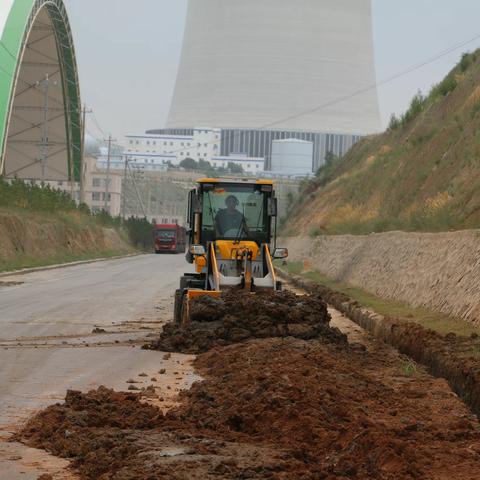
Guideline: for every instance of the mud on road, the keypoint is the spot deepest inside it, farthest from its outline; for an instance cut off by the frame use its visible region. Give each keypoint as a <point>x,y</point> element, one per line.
<point>274,407</point>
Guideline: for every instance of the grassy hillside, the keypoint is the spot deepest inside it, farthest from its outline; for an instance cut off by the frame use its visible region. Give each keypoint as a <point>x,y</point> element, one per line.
<point>422,174</point>
<point>40,226</point>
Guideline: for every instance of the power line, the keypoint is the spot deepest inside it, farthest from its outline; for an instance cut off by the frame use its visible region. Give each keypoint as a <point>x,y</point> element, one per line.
<point>353,94</point>
<point>98,125</point>
<point>379,84</point>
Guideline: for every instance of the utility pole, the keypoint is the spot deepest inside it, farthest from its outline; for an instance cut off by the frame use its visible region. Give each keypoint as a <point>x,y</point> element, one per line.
<point>82,155</point>
<point>124,189</point>
<point>107,179</point>
<point>139,198</point>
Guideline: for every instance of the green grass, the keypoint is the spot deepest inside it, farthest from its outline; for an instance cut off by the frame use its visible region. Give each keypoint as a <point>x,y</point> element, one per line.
<point>30,262</point>
<point>409,367</point>
<point>439,322</point>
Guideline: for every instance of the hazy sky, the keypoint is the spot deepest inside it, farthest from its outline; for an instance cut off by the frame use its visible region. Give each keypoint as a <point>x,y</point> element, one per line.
<point>128,54</point>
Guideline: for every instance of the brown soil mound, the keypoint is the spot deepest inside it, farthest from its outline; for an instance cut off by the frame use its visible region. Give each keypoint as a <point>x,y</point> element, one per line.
<point>274,408</point>
<point>88,429</point>
<point>236,317</point>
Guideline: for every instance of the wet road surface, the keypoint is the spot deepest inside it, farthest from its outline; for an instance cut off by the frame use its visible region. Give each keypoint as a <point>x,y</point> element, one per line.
<point>47,344</point>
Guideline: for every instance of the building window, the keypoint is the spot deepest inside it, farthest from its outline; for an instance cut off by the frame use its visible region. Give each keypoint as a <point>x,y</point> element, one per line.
<point>137,142</point>
<point>154,143</point>
<point>164,143</point>
<point>96,182</point>
<point>131,142</point>
<point>182,144</point>
<point>205,144</point>
<point>188,154</point>
<point>96,196</point>
<point>171,143</point>
<point>148,142</point>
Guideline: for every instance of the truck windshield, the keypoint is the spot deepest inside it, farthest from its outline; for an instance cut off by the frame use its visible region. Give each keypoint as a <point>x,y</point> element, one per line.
<point>165,234</point>
<point>235,212</point>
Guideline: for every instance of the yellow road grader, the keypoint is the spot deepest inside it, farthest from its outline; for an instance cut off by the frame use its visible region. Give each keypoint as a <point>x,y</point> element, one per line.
<point>231,240</point>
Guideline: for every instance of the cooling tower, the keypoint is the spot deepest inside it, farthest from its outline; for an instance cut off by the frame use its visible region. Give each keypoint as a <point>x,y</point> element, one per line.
<point>252,64</point>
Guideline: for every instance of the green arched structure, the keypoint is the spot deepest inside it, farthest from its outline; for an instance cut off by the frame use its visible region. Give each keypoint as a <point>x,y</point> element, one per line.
<point>40,109</point>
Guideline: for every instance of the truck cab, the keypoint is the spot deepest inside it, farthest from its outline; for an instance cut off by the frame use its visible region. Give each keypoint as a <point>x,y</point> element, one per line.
<point>169,238</point>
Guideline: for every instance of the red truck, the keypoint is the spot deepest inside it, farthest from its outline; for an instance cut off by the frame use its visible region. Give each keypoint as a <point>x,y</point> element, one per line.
<point>169,238</point>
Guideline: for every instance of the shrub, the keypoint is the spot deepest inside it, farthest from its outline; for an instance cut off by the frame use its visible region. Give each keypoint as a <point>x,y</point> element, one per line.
<point>447,85</point>
<point>416,107</point>
<point>394,122</point>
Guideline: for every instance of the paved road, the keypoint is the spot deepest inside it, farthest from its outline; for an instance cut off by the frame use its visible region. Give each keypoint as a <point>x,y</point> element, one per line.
<point>71,300</point>
<point>47,345</point>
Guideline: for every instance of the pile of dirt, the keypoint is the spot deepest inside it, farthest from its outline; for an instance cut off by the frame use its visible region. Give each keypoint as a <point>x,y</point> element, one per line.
<point>235,317</point>
<point>274,408</point>
<point>88,428</point>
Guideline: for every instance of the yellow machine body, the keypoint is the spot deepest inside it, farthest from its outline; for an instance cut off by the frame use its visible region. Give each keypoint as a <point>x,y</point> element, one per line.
<point>232,229</point>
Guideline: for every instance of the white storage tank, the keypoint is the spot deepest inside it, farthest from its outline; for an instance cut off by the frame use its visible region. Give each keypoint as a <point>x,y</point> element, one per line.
<point>292,156</point>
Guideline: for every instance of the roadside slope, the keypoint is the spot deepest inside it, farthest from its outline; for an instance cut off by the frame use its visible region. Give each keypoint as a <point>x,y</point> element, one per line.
<point>438,271</point>
<point>32,238</point>
<point>422,174</point>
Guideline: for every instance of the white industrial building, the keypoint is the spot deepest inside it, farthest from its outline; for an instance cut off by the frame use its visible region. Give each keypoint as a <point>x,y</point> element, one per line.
<point>156,150</point>
<point>292,157</point>
<point>251,165</point>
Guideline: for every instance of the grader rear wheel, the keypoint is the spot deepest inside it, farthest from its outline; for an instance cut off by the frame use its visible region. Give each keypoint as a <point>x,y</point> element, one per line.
<point>184,311</point>
<point>177,307</point>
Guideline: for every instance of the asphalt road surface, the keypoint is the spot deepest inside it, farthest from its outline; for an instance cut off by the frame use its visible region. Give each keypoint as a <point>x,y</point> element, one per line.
<point>47,343</point>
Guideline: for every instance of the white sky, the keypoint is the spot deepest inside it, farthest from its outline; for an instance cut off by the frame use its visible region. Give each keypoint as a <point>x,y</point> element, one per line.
<point>128,54</point>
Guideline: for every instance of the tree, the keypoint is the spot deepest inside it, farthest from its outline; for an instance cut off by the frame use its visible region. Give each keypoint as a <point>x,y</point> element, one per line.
<point>330,157</point>
<point>189,164</point>
<point>235,167</point>
<point>394,122</point>
<point>204,165</point>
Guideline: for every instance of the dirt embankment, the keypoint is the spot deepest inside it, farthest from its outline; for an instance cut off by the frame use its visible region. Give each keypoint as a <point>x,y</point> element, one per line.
<point>440,271</point>
<point>277,408</point>
<point>45,237</point>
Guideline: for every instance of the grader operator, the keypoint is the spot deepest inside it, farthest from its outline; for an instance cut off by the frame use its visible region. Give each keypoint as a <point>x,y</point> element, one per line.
<point>231,240</point>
